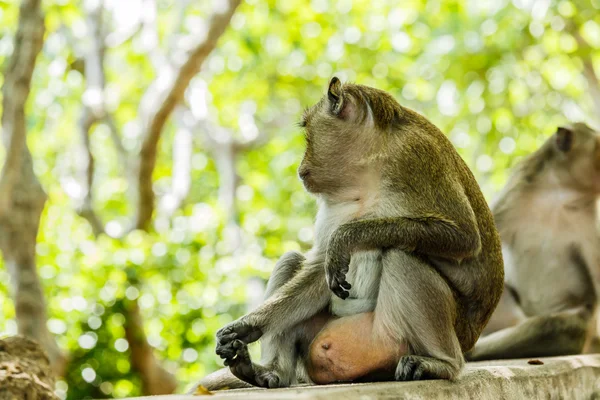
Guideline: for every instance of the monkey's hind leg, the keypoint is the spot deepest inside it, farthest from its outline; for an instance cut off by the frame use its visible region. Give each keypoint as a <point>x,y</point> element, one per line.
<point>245,371</point>
<point>416,307</point>
<point>279,349</point>
<point>557,334</point>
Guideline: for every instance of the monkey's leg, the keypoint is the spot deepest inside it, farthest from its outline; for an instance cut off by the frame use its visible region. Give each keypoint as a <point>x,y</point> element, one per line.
<point>278,350</point>
<point>416,308</point>
<point>283,272</point>
<point>285,268</point>
<point>304,296</point>
<point>557,334</point>
<point>289,319</point>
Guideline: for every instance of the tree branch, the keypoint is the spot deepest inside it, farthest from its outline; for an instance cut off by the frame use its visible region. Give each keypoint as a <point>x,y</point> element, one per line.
<point>93,110</point>
<point>182,165</point>
<point>118,143</point>
<point>155,379</point>
<point>160,101</point>
<point>85,209</point>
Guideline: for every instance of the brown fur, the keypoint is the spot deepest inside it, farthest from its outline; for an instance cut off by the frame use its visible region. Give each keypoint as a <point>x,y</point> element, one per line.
<point>402,218</point>
<point>416,162</point>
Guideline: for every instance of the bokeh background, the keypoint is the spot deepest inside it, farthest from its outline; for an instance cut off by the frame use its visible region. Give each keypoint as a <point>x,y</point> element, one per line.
<point>131,306</point>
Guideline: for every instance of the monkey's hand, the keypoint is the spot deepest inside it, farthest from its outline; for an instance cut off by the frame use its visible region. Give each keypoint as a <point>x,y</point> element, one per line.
<point>229,336</point>
<point>336,268</point>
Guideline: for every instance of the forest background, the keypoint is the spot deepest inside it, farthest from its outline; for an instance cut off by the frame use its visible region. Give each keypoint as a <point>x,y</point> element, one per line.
<point>156,145</point>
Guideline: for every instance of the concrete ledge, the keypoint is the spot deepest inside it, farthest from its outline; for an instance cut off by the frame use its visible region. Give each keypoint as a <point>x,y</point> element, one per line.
<point>573,377</point>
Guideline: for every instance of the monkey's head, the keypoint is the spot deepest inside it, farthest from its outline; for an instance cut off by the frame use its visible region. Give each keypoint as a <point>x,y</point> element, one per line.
<point>575,159</point>
<point>344,136</point>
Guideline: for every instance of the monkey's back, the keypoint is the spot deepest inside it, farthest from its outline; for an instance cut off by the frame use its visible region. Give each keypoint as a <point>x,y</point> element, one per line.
<point>487,267</point>
<point>477,282</point>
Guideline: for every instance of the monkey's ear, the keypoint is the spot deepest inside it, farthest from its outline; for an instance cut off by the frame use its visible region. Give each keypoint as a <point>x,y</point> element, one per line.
<point>564,139</point>
<point>335,96</point>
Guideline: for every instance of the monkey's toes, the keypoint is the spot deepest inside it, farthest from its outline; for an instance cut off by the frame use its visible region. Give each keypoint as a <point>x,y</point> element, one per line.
<point>240,357</point>
<point>241,352</point>
<point>269,380</point>
<point>226,351</point>
<point>411,368</point>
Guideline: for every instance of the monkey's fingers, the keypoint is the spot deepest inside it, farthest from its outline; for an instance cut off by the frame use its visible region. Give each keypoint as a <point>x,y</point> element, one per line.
<point>226,334</point>
<point>224,339</point>
<point>226,352</point>
<point>340,289</point>
<point>339,285</point>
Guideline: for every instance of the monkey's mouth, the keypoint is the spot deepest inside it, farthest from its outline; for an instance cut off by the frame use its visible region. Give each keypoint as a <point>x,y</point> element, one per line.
<point>306,178</point>
<point>309,185</point>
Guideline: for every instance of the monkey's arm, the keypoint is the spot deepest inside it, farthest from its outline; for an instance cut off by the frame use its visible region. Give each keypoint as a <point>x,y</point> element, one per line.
<point>431,235</point>
<point>434,236</point>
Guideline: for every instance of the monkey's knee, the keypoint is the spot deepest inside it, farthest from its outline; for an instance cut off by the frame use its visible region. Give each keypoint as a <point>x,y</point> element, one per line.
<point>284,271</point>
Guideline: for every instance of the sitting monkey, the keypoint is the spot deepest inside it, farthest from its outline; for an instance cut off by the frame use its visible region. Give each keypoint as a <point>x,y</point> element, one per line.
<point>403,238</point>
<point>548,221</point>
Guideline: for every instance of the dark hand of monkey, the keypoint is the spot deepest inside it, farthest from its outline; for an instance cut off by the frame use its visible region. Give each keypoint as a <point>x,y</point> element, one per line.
<point>228,336</point>
<point>336,268</point>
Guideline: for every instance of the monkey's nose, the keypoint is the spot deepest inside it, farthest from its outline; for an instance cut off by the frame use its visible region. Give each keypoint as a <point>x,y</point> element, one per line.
<point>304,173</point>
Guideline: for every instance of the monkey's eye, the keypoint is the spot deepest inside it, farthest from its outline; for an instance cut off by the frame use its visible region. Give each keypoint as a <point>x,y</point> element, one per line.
<point>564,139</point>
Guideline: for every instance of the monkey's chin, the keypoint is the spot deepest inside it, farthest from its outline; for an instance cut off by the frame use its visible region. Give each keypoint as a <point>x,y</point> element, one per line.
<point>310,189</point>
<point>309,186</point>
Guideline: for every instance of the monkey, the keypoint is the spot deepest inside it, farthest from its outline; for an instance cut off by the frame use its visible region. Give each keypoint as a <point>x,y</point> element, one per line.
<point>547,218</point>
<point>405,254</point>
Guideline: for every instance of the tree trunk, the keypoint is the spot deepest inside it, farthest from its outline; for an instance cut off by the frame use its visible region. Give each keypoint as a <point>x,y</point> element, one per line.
<point>24,370</point>
<point>22,197</point>
<point>155,379</point>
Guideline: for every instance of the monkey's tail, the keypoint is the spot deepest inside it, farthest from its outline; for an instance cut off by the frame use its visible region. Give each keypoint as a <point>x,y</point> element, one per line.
<point>219,380</point>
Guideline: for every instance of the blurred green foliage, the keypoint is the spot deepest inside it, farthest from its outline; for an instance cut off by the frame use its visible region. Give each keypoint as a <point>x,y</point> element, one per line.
<point>496,76</point>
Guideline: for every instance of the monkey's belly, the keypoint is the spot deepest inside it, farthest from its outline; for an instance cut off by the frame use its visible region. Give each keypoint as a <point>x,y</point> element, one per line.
<point>531,276</point>
<point>364,275</point>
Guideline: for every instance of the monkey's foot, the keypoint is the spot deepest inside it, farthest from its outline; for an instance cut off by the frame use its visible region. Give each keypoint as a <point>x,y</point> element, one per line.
<point>237,331</point>
<point>269,379</point>
<point>414,368</point>
<point>336,278</point>
<point>243,368</point>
